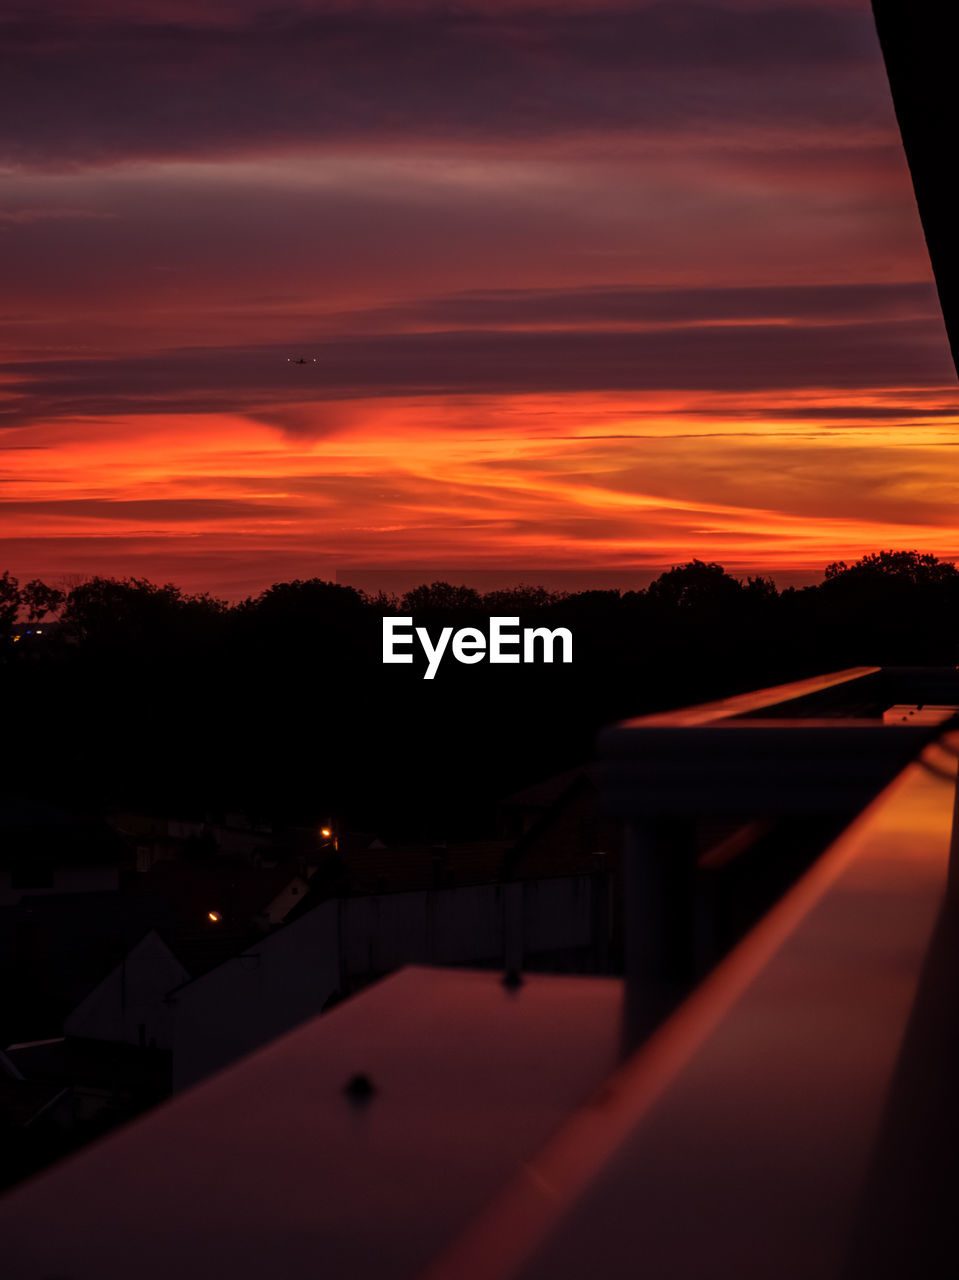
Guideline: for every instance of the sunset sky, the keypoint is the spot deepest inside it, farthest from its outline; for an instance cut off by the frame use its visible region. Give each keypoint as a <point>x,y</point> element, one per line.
<point>589,286</point>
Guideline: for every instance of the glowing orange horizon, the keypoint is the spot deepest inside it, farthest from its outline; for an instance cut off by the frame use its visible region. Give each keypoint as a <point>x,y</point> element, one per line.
<point>493,311</point>
<point>590,484</point>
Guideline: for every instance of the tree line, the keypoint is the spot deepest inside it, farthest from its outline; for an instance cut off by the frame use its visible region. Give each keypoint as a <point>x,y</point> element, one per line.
<point>143,694</point>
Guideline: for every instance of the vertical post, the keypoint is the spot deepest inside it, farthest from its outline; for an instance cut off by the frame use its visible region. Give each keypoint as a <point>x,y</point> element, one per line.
<point>659,880</point>
<point>600,888</point>
<point>953,876</point>
<point>513,927</point>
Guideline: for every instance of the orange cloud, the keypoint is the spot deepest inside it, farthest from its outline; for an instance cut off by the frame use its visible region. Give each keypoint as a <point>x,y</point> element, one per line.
<point>552,482</point>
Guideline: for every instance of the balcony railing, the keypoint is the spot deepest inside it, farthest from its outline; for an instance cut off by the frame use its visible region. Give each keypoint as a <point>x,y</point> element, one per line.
<point>791,1116</point>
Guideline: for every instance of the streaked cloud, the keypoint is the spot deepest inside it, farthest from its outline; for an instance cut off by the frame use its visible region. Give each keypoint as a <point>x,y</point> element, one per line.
<point>110,83</point>
<point>586,284</point>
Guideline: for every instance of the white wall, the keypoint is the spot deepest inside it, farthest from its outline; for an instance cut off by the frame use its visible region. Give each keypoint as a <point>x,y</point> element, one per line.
<point>132,996</point>
<point>286,900</point>
<point>288,976</point>
<point>558,914</point>
<point>282,979</point>
<point>468,925</point>
<point>463,925</point>
<point>384,932</point>
<point>65,880</point>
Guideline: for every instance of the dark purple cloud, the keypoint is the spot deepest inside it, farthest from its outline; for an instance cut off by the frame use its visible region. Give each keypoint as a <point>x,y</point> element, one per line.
<point>162,510</point>
<point>824,303</point>
<point>719,357</point>
<point>101,86</point>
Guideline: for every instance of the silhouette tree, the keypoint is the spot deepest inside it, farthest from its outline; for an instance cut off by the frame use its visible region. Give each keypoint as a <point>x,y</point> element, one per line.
<point>303,598</point>
<point>282,702</point>
<point>132,610</point>
<point>39,599</point>
<point>896,566</point>
<point>382,602</point>
<point>10,600</point>
<point>892,607</point>
<point>513,600</point>
<point>760,588</point>
<point>695,585</point>
<point>441,597</point>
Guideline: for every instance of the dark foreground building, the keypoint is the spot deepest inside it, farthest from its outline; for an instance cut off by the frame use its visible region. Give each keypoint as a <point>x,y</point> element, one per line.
<point>791,1114</point>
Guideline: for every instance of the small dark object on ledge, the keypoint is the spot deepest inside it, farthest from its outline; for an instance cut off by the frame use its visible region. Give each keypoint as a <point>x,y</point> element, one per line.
<point>359,1088</point>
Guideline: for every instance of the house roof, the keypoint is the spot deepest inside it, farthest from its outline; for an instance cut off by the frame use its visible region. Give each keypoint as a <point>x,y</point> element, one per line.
<point>31,828</point>
<point>63,945</point>
<point>202,946</point>
<point>189,894</point>
<point>543,795</point>
<point>229,885</point>
<point>21,1101</point>
<point>38,1059</point>
<point>404,868</point>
